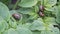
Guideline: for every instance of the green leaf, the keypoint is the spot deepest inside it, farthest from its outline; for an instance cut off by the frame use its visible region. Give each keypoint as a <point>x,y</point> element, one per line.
<point>53,31</point>
<point>45,1</point>
<point>12,24</point>
<point>24,18</point>
<point>4,11</point>
<point>3,24</point>
<point>13,12</point>
<point>26,11</point>
<point>46,32</point>
<point>50,20</point>
<point>10,31</point>
<point>27,25</point>
<point>57,15</point>
<point>50,3</point>
<point>35,16</point>
<point>52,9</point>
<point>6,25</point>
<point>37,25</point>
<point>36,32</point>
<point>36,9</point>
<point>4,1</point>
<point>27,3</point>
<point>22,30</point>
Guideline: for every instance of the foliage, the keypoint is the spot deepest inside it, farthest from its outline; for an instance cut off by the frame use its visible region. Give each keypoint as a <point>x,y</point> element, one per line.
<point>30,16</point>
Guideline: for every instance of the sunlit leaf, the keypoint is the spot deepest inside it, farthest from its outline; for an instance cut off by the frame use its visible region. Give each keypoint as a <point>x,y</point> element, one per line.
<point>10,31</point>
<point>26,11</point>
<point>22,30</point>
<point>50,3</point>
<point>27,3</point>
<point>37,25</point>
<point>4,11</point>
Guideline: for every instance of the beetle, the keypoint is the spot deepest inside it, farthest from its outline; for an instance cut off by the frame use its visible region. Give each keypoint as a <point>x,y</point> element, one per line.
<point>16,16</point>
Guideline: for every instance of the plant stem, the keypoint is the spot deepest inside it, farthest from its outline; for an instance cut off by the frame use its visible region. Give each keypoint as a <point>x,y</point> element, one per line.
<point>16,4</point>
<point>42,2</point>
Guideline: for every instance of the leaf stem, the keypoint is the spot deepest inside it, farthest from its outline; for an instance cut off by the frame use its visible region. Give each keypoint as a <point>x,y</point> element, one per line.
<point>16,4</point>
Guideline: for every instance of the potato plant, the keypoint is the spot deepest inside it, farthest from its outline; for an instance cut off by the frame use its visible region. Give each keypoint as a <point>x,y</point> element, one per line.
<point>29,16</point>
